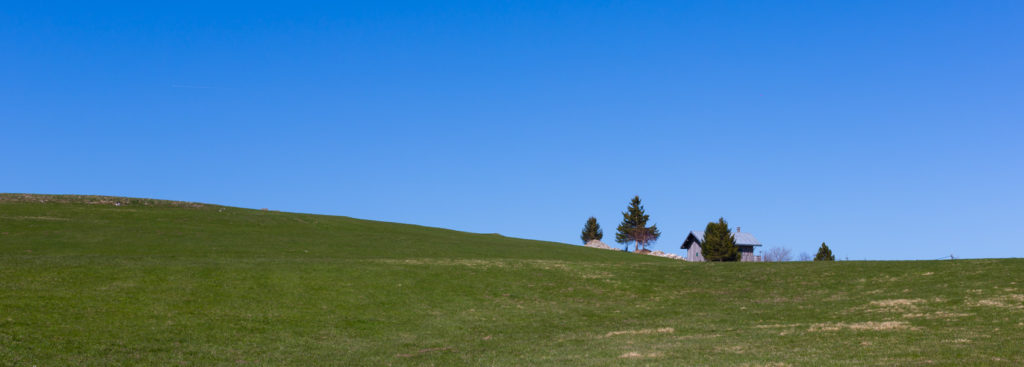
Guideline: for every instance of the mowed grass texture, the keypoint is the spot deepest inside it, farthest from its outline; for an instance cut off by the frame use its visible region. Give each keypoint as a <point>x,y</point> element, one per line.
<point>86,282</point>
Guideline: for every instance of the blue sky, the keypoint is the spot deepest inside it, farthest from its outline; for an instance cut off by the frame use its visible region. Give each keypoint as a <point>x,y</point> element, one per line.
<point>889,130</point>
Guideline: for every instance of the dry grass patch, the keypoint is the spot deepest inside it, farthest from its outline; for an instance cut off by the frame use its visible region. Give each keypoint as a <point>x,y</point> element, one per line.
<point>895,305</point>
<point>738,349</point>
<point>596,274</point>
<point>772,326</point>
<point>1013,301</point>
<point>836,297</point>
<point>549,264</point>
<point>491,263</point>
<point>897,302</point>
<point>936,315</point>
<point>697,336</point>
<point>50,219</point>
<point>869,325</point>
<point>885,278</point>
<point>444,262</point>
<point>664,330</point>
<point>639,355</point>
<point>775,300</point>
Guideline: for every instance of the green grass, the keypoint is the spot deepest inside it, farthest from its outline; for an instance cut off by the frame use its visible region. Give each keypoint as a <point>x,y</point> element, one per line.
<point>84,282</point>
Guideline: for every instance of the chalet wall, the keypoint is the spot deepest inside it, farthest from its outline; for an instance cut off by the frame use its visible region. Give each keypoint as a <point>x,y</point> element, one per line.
<point>693,254</point>
<point>746,253</point>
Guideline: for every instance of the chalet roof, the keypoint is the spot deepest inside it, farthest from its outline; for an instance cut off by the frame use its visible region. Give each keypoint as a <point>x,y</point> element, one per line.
<point>742,239</point>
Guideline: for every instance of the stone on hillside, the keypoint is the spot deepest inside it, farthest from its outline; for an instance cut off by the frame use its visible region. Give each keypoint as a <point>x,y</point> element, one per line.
<point>598,244</point>
<point>666,254</point>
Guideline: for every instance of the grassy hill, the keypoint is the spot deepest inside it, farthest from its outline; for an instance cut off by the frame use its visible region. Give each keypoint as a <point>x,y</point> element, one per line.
<point>84,281</point>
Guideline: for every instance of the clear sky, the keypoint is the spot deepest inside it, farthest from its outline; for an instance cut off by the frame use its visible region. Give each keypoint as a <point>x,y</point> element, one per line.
<point>890,130</point>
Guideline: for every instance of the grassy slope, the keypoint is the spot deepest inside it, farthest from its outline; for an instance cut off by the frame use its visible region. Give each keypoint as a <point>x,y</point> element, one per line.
<point>164,283</point>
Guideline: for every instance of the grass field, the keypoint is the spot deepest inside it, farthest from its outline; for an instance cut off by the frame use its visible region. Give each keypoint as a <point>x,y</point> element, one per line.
<point>86,282</point>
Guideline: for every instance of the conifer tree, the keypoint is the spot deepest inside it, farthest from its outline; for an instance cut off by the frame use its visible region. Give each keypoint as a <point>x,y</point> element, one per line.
<point>591,231</point>
<point>824,254</point>
<point>634,229</point>
<point>719,243</point>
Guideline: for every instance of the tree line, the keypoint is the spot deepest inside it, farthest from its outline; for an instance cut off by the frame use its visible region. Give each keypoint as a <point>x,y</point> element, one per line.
<point>719,243</point>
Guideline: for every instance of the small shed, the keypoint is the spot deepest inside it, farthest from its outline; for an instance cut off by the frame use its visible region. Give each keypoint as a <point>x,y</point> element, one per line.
<point>745,241</point>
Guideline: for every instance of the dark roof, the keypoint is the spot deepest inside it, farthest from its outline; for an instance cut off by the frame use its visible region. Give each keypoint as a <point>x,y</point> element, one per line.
<point>742,239</point>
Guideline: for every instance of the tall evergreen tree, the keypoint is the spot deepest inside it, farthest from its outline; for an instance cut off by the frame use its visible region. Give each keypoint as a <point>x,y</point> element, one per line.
<point>719,243</point>
<point>824,254</point>
<point>634,229</point>
<point>591,231</point>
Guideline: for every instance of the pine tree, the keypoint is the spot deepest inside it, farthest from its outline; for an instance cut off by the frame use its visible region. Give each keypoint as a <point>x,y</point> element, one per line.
<point>591,231</point>
<point>824,254</point>
<point>634,229</point>
<point>719,243</point>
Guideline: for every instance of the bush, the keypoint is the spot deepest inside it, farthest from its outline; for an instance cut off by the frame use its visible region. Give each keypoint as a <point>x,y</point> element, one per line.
<point>824,254</point>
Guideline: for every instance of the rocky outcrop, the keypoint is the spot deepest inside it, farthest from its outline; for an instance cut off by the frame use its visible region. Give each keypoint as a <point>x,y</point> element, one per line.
<point>598,244</point>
